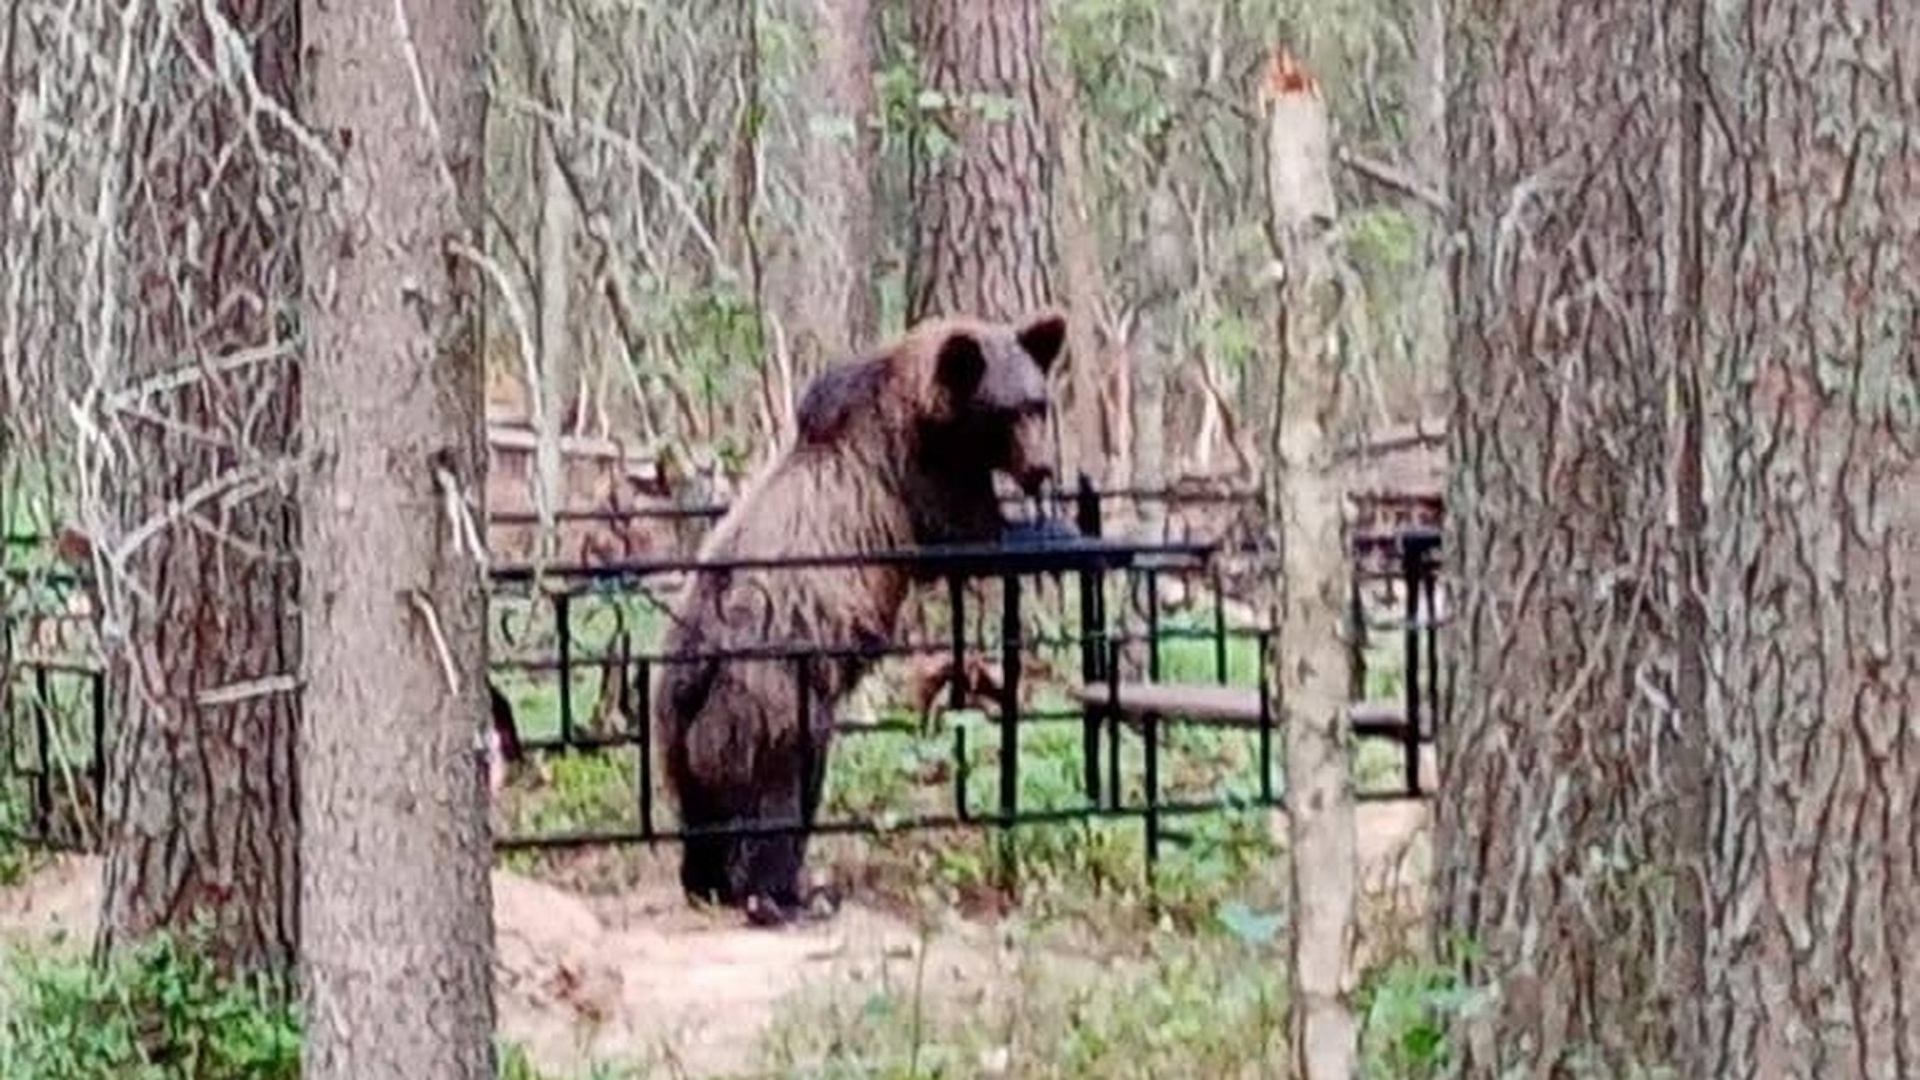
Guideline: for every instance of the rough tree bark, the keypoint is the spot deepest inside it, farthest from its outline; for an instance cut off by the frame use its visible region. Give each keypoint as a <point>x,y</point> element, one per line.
<point>9,110</point>
<point>200,801</point>
<point>1309,661</point>
<point>1555,839</point>
<point>1427,91</point>
<point>398,933</point>
<point>1165,268</point>
<point>1813,435</point>
<point>1089,444</point>
<point>9,47</point>
<point>9,332</point>
<point>822,277</point>
<point>555,370</point>
<point>983,239</point>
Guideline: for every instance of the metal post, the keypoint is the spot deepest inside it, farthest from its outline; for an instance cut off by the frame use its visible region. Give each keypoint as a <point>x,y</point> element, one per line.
<point>1153,624</point>
<point>1219,623</point>
<point>1266,722</point>
<point>643,707</point>
<point>1410,737</point>
<point>563,636</point>
<point>97,771</point>
<point>1009,720</point>
<point>1087,519</point>
<point>42,737</point>
<point>957,605</point>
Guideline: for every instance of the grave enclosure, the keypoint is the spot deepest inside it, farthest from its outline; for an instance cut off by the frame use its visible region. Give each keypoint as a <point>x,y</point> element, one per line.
<point>1147,655</point>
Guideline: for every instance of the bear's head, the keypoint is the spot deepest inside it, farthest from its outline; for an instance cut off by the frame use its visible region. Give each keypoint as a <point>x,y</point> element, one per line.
<point>990,401</point>
<point>944,409</point>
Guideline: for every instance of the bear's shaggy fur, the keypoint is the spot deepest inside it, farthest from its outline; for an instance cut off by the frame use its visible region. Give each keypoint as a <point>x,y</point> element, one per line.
<point>894,450</point>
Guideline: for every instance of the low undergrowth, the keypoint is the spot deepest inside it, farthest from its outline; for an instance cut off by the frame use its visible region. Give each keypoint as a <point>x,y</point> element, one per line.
<point>159,1012</point>
<point>1209,1003</point>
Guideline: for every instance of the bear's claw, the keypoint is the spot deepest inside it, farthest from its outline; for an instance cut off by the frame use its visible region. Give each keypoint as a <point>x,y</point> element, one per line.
<point>821,903</point>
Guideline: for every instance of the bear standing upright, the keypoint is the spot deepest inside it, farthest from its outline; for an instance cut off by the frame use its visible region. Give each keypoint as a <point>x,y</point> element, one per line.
<point>891,451</point>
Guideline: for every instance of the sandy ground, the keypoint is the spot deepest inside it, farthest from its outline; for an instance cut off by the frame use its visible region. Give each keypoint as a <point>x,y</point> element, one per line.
<point>640,977</point>
<point>644,978</point>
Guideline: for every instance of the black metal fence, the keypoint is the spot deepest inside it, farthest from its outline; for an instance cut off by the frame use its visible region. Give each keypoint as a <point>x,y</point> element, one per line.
<point>55,712</point>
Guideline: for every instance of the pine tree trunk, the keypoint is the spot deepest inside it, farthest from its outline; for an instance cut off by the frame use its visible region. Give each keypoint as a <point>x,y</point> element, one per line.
<point>398,931</point>
<point>9,330</point>
<point>9,111</point>
<point>822,278</point>
<point>1090,444</point>
<point>983,239</point>
<point>200,801</point>
<point>1813,210</point>
<point>1427,153</point>
<point>1558,851</point>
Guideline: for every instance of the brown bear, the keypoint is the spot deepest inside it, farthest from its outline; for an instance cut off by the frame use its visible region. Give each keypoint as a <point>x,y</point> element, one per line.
<point>891,451</point>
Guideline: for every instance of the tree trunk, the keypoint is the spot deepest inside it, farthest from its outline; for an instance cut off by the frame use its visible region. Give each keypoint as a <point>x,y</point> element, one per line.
<point>1089,443</point>
<point>1165,269</point>
<point>1812,286</point>
<point>398,932</point>
<point>555,371</point>
<point>983,239</point>
<point>1309,664</point>
<point>824,275</point>
<point>200,801</point>
<point>9,148</point>
<point>9,327</point>
<point>1558,853</point>
<point>1427,91</point>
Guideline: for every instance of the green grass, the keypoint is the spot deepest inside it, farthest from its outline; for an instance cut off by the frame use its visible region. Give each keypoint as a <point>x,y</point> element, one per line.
<point>1207,1002</point>
<point>891,776</point>
<point>1189,977</point>
<point>1206,1007</point>
<point>524,628</point>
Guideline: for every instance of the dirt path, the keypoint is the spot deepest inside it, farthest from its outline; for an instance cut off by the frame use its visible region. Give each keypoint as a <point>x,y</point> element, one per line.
<point>638,977</point>
<point>578,986</point>
<point>661,984</point>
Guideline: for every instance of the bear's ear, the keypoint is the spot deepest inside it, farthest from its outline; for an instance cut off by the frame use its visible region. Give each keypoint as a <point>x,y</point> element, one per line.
<point>959,366</point>
<point>835,396</point>
<point>1042,337</point>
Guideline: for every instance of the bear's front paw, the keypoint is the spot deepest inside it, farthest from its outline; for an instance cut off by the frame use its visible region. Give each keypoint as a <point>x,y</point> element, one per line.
<point>823,902</point>
<point>768,913</point>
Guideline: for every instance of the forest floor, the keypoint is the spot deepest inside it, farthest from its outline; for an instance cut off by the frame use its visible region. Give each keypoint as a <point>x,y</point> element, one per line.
<point>634,976</point>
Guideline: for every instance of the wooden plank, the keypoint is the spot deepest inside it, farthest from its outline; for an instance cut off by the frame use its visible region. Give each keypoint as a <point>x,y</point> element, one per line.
<point>1213,705</point>
<point>523,439</point>
<point>1188,701</point>
<point>1378,718</point>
